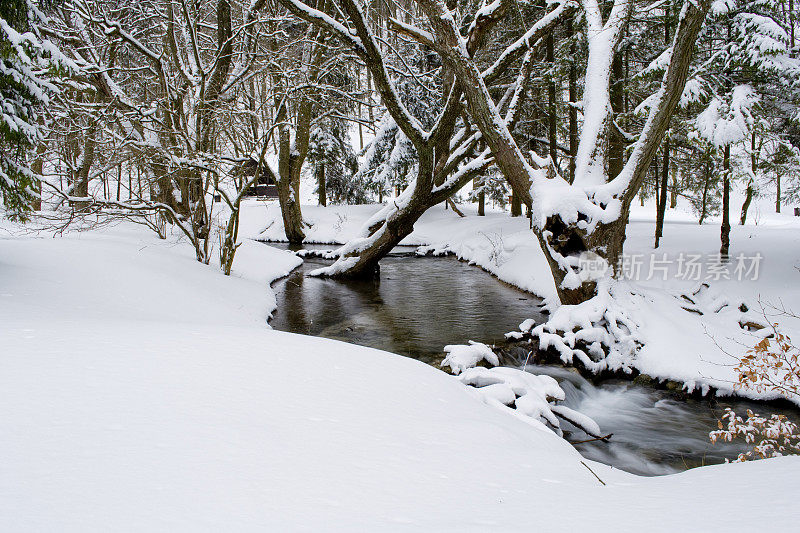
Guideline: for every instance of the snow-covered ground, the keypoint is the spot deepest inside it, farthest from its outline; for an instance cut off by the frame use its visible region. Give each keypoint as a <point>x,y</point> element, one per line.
<point>140,390</point>
<point>679,345</point>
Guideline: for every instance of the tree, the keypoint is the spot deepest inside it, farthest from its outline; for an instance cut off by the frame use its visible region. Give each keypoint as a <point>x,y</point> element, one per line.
<point>27,63</point>
<point>311,82</point>
<point>334,163</point>
<point>590,214</point>
<point>781,160</point>
<point>748,71</point>
<point>155,81</point>
<point>444,151</point>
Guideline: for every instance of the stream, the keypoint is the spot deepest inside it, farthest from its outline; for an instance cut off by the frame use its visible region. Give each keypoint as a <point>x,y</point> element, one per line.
<point>420,304</point>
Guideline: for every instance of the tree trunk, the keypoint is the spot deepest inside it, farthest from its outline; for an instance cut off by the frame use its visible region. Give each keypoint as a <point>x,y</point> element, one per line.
<point>323,199</point>
<point>396,229</point>
<point>662,199</point>
<point>747,199</point>
<point>37,167</point>
<point>673,196</point>
<point>725,230</point>
<point>778,195</point>
<point>616,143</point>
<point>573,98</point>
<point>290,205</point>
<point>291,156</point>
<point>791,26</point>
<point>81,178</point>
<point>516,206</point>
<point>481,199</point>
<point>551,101</point>
<point>704,201</point>
<point>656,185</point>
<point>750,190</point>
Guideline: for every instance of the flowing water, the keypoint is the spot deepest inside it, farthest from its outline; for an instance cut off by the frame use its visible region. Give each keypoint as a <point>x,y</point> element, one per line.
<point>420,304</point>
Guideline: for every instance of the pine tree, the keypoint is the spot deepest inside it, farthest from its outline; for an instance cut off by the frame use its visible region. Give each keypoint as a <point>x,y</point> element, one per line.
<point>744,94</point>
<point>26,60</point>
<point>334,163</point>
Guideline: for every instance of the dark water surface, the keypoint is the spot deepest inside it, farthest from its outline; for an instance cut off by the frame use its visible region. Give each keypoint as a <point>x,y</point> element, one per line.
<point>420,304</point>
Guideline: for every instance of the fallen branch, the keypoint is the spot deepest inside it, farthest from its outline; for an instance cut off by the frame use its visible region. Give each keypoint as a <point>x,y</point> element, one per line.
<point>604,439</point>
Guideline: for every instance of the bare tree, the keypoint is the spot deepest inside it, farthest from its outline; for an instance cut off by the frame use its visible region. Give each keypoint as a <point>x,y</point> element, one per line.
<point>588,215</point>
<point>156,79</point>
<point>446,150</point>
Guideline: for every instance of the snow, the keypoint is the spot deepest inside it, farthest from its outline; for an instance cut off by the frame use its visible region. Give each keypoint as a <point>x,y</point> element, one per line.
<point>85,292</point>
<point>463,356</point>
<point>726,123</point>
<point>602,38</point>
<point>141,390</point>
<point>529,394</point>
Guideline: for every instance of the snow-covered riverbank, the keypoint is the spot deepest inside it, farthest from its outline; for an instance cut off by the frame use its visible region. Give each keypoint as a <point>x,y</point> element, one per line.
<point>684,342</point>
<point>140,390</point>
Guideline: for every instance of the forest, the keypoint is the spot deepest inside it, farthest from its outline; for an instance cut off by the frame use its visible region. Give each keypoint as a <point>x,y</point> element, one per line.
<point>399,264</point>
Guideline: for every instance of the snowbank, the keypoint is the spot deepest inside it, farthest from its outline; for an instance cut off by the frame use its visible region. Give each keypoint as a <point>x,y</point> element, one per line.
<point>126,273</point>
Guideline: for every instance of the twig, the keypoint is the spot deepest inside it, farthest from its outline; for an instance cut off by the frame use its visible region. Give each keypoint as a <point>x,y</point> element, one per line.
<point>592,471</point>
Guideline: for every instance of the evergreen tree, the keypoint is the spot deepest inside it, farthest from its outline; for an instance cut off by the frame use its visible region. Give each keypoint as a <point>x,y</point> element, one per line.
<point>744,90</point>
<point>334,163</point>
<point>25,60</point>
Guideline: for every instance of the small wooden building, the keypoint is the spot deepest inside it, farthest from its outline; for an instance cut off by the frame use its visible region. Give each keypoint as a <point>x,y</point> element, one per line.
<point>265,187</point>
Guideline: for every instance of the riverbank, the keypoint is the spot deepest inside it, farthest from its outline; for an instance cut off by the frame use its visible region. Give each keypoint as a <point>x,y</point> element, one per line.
<point>690,324</point>
<point>140,390</point>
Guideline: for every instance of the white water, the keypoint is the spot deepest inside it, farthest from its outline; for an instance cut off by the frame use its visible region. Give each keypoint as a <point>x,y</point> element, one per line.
<point>655,431</point>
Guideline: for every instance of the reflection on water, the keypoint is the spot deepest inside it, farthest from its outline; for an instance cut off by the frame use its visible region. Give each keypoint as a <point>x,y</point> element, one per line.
<point>420,304</point>
<point>416,307</point>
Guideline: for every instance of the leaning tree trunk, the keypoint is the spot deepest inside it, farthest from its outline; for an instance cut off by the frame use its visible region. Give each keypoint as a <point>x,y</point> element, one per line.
<point>396,221</point>
<point>386,233</point>
<point>396,228</point>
